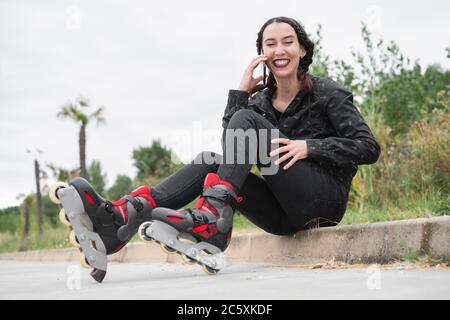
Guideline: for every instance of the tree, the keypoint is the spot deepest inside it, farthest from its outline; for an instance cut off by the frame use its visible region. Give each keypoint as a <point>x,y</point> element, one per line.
<point>73,111</point>
<point>155,160</point>
<point>38,175</point>
<point>26,205</point>
<point>50,211</point>
<point>122,186</point>
<point>96,177</point>
<point>321,62</point>
<point>396,88</point>
<point>60,174</point>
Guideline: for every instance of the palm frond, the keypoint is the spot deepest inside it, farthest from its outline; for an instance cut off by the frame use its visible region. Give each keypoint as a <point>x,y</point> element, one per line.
<point>83,101</point>
<point>64,113</point>
<point>97,113</point>
<point>100,121</point>
<point>98,116</point>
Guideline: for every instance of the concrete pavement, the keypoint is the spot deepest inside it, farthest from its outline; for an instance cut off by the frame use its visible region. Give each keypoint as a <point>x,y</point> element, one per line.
<point>159,280</point>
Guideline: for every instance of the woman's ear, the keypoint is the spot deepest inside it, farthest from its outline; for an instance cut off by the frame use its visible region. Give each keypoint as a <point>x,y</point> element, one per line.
<point>302,52</point>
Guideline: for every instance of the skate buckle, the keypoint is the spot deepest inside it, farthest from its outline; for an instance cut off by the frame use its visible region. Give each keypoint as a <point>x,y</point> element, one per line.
<point>137,204</point>
<point>109,207</point>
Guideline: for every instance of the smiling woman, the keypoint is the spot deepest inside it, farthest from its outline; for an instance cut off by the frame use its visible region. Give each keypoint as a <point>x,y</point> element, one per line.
<point>321,138</point>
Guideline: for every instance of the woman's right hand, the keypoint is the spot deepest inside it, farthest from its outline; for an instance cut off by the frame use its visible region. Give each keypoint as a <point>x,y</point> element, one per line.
<point>248,82</point>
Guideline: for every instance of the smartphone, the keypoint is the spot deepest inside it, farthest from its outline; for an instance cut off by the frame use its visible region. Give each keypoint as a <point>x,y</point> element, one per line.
<point>263,68</point>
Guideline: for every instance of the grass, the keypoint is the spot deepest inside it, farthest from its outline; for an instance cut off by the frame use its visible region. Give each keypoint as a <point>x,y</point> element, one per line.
<point>52,238</point>
<point>413,256</point>
<point>241,223</point>
<point>377,214</point>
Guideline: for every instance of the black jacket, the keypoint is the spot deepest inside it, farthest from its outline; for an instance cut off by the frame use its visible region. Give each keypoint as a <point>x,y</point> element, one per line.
<point>337,137</point>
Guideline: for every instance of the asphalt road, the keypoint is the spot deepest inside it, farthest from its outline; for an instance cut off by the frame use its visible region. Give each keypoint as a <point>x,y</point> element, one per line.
<point>161,281</point>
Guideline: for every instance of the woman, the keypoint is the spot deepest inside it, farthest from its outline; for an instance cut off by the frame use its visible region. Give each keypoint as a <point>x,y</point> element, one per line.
<point>322,140</point>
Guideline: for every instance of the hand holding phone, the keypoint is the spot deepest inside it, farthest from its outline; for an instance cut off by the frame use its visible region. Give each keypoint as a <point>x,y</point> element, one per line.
<point>248,82</point>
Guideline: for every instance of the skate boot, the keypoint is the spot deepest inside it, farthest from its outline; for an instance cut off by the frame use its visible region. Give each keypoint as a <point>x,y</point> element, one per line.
<point>201,234</point>
<point>100,227</point>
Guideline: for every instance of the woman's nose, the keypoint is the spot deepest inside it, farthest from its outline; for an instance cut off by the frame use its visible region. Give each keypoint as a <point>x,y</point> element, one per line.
<point>279,50</point>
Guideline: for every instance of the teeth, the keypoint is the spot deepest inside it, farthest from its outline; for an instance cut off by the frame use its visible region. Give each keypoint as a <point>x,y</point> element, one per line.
<point>281,63</point>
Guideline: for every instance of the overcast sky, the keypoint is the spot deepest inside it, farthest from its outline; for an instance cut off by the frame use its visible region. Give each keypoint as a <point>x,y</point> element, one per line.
<point>162,69</point>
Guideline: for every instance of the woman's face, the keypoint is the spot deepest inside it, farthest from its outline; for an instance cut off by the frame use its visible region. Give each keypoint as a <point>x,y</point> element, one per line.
<point>283,51</point>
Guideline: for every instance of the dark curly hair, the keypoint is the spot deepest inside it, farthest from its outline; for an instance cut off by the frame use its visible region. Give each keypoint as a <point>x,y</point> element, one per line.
<point>305,42</point>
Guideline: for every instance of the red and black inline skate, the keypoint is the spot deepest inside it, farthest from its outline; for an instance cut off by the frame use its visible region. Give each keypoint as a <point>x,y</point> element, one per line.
<point>100,227</point>
<point>201,234</point>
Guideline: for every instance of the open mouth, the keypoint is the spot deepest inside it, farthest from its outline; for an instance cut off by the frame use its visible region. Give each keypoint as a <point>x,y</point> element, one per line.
<point>281,63</point>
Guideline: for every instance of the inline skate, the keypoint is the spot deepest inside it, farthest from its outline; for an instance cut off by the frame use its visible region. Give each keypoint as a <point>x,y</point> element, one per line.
<point>100,227</point>
<point>201,234</point>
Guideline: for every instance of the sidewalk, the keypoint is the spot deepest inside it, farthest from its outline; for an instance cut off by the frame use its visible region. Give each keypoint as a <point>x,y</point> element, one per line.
<point>381,242</point>
<point>249,281</point>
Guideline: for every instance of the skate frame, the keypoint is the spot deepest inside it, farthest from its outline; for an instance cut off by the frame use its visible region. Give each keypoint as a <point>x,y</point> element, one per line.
<point>164,233</point>
<point>83,228</point>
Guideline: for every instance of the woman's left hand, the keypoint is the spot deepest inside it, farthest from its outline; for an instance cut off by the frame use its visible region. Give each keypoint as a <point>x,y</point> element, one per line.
<point>297,149</point>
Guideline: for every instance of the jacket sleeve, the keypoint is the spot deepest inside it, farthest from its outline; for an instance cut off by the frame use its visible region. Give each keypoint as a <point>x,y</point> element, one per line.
<point>354,144</point>
<point>237,100</point>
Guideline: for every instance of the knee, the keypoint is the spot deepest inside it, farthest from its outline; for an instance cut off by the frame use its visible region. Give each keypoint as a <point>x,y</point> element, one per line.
<point>207,158</point>
<point>241,117</point>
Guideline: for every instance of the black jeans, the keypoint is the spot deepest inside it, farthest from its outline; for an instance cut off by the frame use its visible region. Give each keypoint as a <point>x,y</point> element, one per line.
<point>302,197</point>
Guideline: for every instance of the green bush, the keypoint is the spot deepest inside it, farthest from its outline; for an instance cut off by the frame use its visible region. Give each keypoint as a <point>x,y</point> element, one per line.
<point>10,219</point>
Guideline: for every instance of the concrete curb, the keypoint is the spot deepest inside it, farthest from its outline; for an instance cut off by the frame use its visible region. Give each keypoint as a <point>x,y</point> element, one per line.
<point>380,242</point>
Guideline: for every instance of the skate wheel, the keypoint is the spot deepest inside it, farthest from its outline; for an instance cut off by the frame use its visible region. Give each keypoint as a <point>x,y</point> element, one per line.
<point>141,232</point>
<point>73,239</point>
<point>188,260</point>
<point>83,261</point>
<point>209,270</point>
<point>167,249</point>
<point>52,192</point>
<point>63,218</point>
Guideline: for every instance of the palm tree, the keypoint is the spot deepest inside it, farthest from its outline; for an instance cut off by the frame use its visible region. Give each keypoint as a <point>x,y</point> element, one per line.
<point>38,175</point>
<point>26,205</point>
<point>74,111</point>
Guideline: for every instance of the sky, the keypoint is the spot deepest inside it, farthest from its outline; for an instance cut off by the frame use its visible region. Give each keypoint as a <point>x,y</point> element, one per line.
<point>161,69</point>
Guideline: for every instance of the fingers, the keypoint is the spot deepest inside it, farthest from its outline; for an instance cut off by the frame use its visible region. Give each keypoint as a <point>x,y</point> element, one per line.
<point>294,159</point>
<point>258,79</point>
<point>290,163</point>
<point>284,158</point>
<point>256,61</point>
<point>247,81</point>
<point>279,150</point>
<point>281,140</point>
<point>289,148</point>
